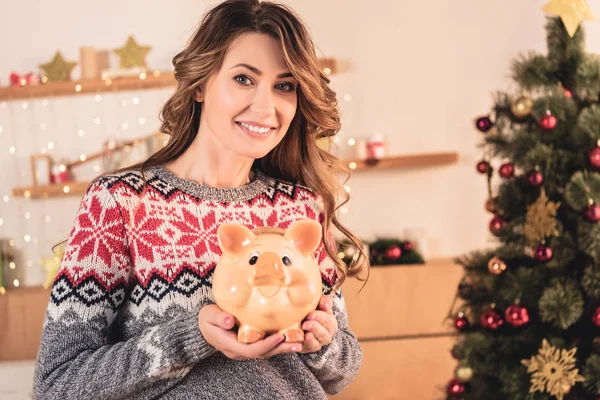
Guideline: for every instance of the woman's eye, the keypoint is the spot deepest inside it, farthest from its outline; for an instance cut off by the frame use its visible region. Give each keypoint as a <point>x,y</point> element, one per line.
<point>245,81</point>
<point>289,86</point>
<point>287,261</point>
<point>253,258</point>
<point>237,78</point>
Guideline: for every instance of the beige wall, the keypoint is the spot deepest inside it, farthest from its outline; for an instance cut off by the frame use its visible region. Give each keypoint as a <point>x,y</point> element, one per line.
<point>419,73</point>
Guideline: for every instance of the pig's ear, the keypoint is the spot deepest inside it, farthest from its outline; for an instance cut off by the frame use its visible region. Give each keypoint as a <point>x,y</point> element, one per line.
<point>234,238</point>
<point>305,234</point>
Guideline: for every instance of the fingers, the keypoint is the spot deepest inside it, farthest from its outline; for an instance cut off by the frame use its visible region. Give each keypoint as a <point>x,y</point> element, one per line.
<point>326,304</point>
<point>318,331</point>
<point>213,315</point>
<point>258,349</point>
<point>325,319</point>
<point>311,344</point>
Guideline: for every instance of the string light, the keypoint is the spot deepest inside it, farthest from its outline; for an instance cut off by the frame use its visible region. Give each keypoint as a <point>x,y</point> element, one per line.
<point>108,82</point>
<point>12,149</point>
<point>16,283</point>
<point>347,188</point>
<point>12,265</point>
<point>347,97</point>
<point>25,105</point>
<point>1,222</point>
<point>81,132</point>
<point>44,79</point>
<point>344,210</point>
<point>142,120</point>
<point>66,189</point>
<point>29,263</point>
<point>36,241</point>
<point>42,126</point>
<point>352,165</point>
<point>156,74</point>
<point>96,168</point>
<point>351,142</point>
<point>136,100</point>
<point>27,238</point>
<point>45,102</point>
<point>327,71</point>
<point>3,104</point>
<point>50,145</point>
<point>78,88</point>
<point>83,157</point>
<point>143,76</point>
<point>1,128</point>
<point>11,243</point>
<point>123,103</point>
<point>48,219</point>
<point>98,98</point>
<point>44,150</point>
<point>5,198</point>
<point>336,140</point>
<point>27,194</point>
<point>124,125</point>
<point>97,121</point>
<point>27,215</point>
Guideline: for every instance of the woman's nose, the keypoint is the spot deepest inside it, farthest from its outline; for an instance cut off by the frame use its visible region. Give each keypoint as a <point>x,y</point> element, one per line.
<point>263,102</point>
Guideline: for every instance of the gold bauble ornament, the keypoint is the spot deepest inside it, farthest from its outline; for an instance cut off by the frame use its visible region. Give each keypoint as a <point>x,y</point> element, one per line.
<point>496,265</point>
<point>572,13</point>
<point>490,205</point>
<point>58,69</point>
<point>463,373</point>
<point>521,107</point>
<point>132,55</point>
<point>52,265</point>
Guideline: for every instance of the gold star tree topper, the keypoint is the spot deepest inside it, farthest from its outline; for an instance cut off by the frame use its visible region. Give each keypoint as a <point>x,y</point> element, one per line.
<point>540,221</point>
<point>132,54</point>
<point>58,69</point>
<point>553,370</point>
<point>572,13</point>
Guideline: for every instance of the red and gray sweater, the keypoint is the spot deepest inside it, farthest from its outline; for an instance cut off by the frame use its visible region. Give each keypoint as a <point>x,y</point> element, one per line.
<point>122,318</point>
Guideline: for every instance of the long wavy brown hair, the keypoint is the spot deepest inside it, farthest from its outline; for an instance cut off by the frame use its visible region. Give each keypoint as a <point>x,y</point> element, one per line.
<point>297,158</point>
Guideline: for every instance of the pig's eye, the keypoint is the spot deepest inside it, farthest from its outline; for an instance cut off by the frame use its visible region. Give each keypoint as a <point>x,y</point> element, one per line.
<point>287,261</point>
<point>253,258</point>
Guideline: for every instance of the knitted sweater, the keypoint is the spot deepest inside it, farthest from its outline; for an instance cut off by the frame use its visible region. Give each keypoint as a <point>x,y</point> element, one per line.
<point>122,321</point>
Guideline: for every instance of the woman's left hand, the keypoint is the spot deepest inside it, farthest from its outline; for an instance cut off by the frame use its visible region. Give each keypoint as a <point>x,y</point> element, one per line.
<point>319,327</point>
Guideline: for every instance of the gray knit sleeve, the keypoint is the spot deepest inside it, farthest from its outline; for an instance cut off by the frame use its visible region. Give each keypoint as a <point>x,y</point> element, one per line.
<point>336,364</point>
<point>77,358</point>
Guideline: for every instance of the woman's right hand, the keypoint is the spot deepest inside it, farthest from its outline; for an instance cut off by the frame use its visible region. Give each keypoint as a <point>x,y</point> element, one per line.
<point>216,326</point>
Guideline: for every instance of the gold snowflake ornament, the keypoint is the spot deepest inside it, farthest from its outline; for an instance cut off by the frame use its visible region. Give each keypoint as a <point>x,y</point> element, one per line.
<point>540,221</point>
<point>553,370</point>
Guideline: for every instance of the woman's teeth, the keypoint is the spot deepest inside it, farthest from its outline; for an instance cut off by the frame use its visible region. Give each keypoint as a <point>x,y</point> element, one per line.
<point>255,128</point>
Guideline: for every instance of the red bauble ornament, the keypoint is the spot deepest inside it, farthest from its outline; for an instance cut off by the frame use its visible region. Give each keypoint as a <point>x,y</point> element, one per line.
<point>15,79</point>
<point>491,319</point>
<point>596,316</point>
<point>535,178</point>
<point>593,213</point>
<point>484,124</point>
<point>506,170</point>
<point>408,246</point>
<point>497,224</point>
<point>460,323</point>
<point>455,387</point>
<point>483,167</point>
<point>393,253</point>
<point>568,93</point>
<point>548,122</point>
<point>516,315</point>
<point>543,253</point>
<point>594,157</point>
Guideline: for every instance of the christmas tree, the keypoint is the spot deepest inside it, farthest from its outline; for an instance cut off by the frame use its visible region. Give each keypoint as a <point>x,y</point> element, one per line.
<point>528,310</point>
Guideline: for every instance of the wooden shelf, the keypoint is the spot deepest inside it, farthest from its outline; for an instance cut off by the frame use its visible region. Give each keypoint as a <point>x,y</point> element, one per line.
<point>401,161</point>
<point>418,160</point>
<point>55,190</point>
<point>152,80</point>
<point>72,88</point>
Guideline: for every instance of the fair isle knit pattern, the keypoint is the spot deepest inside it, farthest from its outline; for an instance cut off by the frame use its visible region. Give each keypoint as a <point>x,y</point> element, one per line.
<point>122,321</point>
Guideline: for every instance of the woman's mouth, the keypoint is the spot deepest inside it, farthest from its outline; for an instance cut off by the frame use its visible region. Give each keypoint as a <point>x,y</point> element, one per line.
<point>256,132</point>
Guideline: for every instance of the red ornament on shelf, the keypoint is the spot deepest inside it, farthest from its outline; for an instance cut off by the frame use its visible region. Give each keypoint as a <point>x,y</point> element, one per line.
<point>568,93</point>
<point>548,122</point>
<point>507,170</point>
<point>484,124</point>
<point>460,322</point>
<point>455,387</point>
<point>543,253</point>
<point>408,246</point>
<point>596,316</point>
<point>535,178</point>
<point>393,253</point>
<point>516,315</point>
<point>491,319</point>
<point>594,157</point>
<point>483,167</point>
<point>497,224</point>
<point>593,212</point>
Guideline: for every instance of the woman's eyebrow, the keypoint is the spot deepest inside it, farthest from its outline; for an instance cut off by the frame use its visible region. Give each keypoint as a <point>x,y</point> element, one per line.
<point>259,72</point>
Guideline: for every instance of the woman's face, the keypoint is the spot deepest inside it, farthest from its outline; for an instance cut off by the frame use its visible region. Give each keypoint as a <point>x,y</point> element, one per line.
<point>248,108</point>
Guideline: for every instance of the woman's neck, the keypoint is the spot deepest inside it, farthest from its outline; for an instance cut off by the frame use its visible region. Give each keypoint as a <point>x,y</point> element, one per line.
<point>207,162</point>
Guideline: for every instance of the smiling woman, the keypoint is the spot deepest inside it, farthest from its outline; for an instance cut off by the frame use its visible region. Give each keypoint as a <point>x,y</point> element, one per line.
<point>132,313</point>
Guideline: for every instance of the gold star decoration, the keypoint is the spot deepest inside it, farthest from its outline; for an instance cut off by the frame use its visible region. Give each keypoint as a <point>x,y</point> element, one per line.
<point>58,69</point>
<point>572,13</point>
<point>553,370</point>
<point>540,221</point>
<point>52,265</point>
<point>132,54</point>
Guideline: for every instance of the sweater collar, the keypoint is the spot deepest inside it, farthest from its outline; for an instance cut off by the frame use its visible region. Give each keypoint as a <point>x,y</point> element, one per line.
<point>246,192</point>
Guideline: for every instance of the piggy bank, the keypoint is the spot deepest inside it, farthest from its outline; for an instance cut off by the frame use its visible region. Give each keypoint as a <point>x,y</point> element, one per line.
<point>267,278</point>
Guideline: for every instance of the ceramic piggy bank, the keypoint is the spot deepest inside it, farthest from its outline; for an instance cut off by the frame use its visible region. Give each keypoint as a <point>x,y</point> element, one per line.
<point>268,279</point>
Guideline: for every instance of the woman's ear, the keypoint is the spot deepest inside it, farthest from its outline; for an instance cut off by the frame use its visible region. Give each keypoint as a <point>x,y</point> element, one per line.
<point>199,95</point>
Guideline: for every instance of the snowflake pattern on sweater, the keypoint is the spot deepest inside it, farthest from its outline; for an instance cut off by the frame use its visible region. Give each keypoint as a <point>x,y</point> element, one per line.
<point>136,269</point>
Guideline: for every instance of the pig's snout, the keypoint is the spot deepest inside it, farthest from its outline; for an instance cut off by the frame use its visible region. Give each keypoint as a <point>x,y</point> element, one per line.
<point>268,270</point>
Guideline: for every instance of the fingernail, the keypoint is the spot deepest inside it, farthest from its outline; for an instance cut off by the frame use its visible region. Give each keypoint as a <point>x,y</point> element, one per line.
<point>280,339</point>
<point>294,350</point>
<point>308,326</point>
<point>227,320</point>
